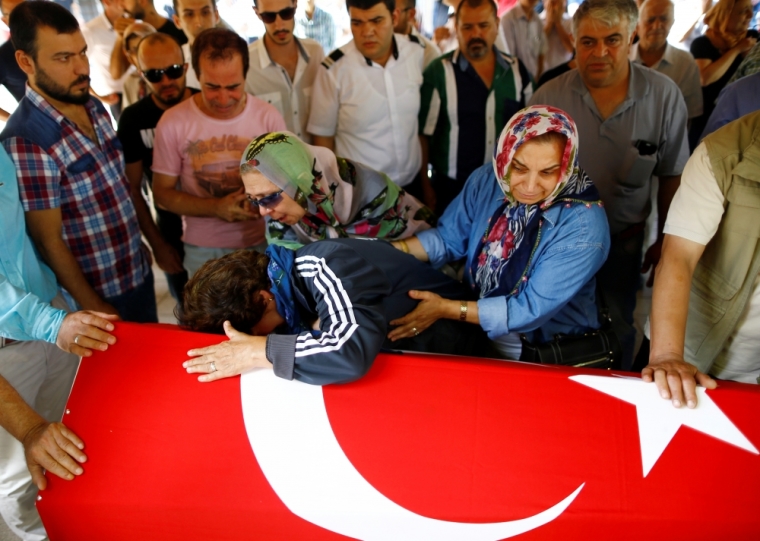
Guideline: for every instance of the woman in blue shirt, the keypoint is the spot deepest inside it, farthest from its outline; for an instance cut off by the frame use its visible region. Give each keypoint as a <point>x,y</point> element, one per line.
<point>533,232</point>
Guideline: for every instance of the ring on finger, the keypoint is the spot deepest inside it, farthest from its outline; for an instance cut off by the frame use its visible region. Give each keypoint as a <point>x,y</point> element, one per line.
<point>76,339</point>
<point>212,365</point>
<point>415,331</point>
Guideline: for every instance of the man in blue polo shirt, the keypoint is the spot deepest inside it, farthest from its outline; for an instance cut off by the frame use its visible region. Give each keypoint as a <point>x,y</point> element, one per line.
<point>467,97</point>
<point>35,375</point>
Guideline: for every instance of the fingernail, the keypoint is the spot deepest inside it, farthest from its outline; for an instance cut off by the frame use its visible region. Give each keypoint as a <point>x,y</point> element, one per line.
<point>663,394</point>
<point>691,404</point>
<point>79,471</point>
<point>109,327</point>
<point>103,347</point>
<point>81,446</point>
<point>677,403</point>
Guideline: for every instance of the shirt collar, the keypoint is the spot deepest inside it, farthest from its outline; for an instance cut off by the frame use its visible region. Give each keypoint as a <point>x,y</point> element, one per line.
<point>459,59</point>
<point>638,86</point>
<point>667,56</point>
<point>42,104</point>
<point>394,51</point>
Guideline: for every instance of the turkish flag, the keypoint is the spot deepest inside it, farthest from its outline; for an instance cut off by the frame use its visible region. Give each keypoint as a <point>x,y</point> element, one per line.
<point>423,447</point>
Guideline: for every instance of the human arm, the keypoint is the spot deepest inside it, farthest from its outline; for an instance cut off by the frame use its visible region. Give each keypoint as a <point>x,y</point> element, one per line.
<point>231,208</point>
<point>412,246</point>
<point>166,256</point>
<point>324,141</point>
<point>565,36</point>
<point>238,354</point>
<point>325,103</point>
<point>45,228</point>
<point>675,378</point>
<point>4,115</point>
<point>47,446</point>
<point>712,70</point>
<point>667,189</point>
<point>427,187</point>
<point>119,61</point>
<point>431,308</point>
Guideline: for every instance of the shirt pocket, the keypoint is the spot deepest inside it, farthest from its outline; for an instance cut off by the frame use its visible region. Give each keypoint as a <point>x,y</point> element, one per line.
<point>637,169</point>
<point>272,98</point>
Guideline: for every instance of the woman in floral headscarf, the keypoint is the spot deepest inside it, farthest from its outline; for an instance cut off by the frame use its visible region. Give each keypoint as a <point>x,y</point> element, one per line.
<point>309,194</point>
<point>533,233</point>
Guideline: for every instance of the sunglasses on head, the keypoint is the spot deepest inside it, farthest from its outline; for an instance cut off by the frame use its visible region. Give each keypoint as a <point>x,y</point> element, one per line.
<point>285,14</point>
<point>172,72</point>
<point>269,201</point>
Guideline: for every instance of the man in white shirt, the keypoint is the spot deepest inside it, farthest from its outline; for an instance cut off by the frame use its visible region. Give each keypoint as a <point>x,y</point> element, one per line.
<point>366,96</point>
<point>100,36</point>
<point>558,32</point>
<point>654,51</point>
<point>193,17</point>
<point>283,67</point>
<point>405,25</point>
<point>523,33</point>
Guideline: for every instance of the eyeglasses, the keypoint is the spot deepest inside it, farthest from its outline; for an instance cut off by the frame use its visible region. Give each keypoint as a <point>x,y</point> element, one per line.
<point>268,201</point>
<point>172,72</point>
<point>285,14</point>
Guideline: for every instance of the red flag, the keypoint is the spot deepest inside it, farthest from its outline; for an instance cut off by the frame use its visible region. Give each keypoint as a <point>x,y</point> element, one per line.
<point>444,442</point>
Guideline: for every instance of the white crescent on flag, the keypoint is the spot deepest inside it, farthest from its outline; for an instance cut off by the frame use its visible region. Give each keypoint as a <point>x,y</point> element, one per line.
<point>298,452</point>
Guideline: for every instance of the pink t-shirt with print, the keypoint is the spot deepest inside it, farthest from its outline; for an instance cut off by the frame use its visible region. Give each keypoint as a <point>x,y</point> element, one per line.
<point>205,152</point>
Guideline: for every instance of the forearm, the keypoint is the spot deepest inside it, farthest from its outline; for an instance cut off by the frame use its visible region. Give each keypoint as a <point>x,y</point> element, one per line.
<point>147,226</point>
<point>15,414</point>
<point>324,141</point>
<point>565,38</point>
<point>4,115</point>
<point>24,316</point>
<point>667,190</point>
<point>66,268</point>
<point>183,203</point>
<point>715,70</point>
<point>119,62</point>
<point>411,246</point>
<point>670,302</point>
<point>451,309</point>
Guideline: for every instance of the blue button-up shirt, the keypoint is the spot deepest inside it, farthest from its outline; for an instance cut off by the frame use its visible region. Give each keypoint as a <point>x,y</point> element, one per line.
<point>558,294</point>
<point>26,284</point>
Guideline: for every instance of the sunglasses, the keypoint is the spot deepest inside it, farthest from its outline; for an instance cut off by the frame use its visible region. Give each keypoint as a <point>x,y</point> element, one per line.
<point>269,201</point>
<point>172,72</point>
<point>285,14</point>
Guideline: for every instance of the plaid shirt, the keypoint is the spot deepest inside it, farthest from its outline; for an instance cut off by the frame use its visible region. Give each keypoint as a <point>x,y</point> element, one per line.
<point>87,181</point>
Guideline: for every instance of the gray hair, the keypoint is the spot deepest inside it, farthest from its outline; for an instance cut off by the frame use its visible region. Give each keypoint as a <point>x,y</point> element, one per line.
<point>608,12</point>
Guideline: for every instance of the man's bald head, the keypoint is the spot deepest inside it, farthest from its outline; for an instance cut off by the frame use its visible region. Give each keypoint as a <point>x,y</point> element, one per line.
<point>655,22</point>
<point>160,53</point>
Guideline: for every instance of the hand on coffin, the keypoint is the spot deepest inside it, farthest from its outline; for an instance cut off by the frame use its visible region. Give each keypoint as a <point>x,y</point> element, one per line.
<point>55,448</point>
<point>676,379</point>
<point>231,358</point>
<point>83,331</point>
<point>431,308</point>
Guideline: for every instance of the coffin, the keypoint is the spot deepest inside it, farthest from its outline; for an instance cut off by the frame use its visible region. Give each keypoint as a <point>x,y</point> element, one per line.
<point>423,447</point>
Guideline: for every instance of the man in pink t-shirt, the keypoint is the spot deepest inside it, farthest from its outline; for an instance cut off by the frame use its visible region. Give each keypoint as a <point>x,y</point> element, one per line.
<point>197,150</point>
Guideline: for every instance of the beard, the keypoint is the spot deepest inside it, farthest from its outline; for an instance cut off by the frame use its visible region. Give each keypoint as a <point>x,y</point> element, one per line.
<point>169,102</point>
<point>58,92</point>
<point>477,48</point>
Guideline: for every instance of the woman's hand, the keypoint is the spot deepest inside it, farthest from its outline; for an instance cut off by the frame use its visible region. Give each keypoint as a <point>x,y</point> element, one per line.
<point>231,358</point>
<point>431,308</point>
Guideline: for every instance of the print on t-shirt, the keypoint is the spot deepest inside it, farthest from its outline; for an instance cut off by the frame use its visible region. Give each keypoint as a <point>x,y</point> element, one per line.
<point>216,163</point>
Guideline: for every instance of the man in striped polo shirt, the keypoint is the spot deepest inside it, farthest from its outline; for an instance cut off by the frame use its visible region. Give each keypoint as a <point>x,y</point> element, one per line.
<point>467,97</point>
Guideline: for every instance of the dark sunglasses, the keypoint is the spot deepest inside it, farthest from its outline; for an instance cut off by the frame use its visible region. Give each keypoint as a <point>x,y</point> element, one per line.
<point>285,14</point>
<point>172,72</point>
<point>269,201</point>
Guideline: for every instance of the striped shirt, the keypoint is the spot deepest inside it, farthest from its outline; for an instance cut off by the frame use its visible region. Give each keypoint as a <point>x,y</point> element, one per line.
<point>462,117</point>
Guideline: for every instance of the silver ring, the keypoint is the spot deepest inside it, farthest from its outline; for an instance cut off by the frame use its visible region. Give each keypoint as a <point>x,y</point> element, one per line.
<point>76,339</point>
<point>415,331</point>
<point>213,367</point>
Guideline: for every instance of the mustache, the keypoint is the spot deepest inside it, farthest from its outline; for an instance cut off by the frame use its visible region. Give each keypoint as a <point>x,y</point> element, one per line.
<point>476,41</point>
<point>81,79</point>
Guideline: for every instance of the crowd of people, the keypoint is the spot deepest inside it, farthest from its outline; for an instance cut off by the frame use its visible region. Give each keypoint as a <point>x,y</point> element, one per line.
<point>482,194</point>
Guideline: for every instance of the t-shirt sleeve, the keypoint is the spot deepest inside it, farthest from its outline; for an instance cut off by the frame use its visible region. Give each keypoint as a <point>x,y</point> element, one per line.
<point>323,119</point>
<point>697,206</point>
<point>39,178</point>
<point>703,48</point>
<point>130,138</point>
<point>167,155</point>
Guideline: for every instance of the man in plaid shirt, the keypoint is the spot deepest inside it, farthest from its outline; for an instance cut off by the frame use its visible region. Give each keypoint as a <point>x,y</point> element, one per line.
<point>70,169</point>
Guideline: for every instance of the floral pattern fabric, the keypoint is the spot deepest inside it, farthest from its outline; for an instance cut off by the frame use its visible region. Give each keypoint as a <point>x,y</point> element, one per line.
<point>506,247</point>
<point>341,198</point>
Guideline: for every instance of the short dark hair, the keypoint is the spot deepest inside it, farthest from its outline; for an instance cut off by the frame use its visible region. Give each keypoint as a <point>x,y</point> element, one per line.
<point>27,17</point>
<point>176,9</point>
<point>476,4</point>
<point>367,4</point>
<point>219,44</point>
<point>225,289</point>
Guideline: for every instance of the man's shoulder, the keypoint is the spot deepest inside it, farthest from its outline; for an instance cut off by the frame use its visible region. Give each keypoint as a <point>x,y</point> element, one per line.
<point>339,57</point>
<point>178,113</point>
<point>142,112</point>
<point>312,47</point>
<point>659,84</point>
<point>29,122</point>
<point>561,88</point>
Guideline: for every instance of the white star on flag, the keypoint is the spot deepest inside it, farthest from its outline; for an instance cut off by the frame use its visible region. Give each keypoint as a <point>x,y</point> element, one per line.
<point>659,420</point>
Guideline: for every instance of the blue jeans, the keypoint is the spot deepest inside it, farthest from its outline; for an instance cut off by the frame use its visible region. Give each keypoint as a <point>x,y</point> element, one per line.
<point>139,304</point>
<point>618,280</point>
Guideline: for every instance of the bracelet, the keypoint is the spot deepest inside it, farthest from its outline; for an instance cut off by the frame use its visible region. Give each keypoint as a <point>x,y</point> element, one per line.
<point>463,311</point>
<point>404,246</point>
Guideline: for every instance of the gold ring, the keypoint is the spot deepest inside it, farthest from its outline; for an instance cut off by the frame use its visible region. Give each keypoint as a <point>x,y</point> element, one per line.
<point>415,331</point>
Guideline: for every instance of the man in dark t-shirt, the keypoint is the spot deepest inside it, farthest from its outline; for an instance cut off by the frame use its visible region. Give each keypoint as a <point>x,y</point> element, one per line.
<point>162,67</point>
